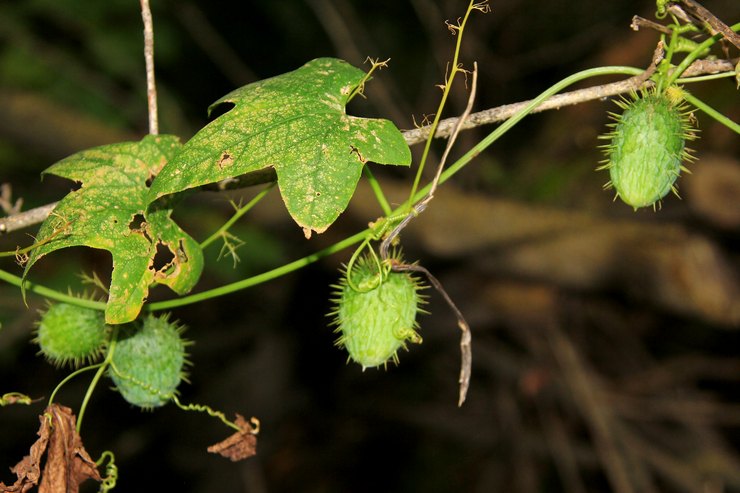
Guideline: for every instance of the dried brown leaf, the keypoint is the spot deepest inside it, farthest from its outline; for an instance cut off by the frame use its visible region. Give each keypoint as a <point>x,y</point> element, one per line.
<point>28,470</point>
<point>240,445</point>
<point>67,462</point>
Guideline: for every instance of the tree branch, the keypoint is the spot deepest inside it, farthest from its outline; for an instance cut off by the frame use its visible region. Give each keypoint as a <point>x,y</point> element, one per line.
<point>151,86</point>
<point>705,17</point>
<point>25,219</point>
<point>28,218</point>
<point>501,113</point>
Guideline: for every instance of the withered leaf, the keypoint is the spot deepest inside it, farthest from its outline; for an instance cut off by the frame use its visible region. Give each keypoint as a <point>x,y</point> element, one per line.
<point>67,462</point>
<point>240,445</point>
<point>28,470</point>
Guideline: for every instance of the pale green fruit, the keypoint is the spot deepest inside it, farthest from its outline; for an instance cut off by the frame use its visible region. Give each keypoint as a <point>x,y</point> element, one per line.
<point>647,147</point>
<point>148,361</point>
<point>376,313</point>
<point>71,335</point>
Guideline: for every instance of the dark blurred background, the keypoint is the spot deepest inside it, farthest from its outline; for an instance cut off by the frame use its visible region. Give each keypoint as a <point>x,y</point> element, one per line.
<point>606,350</point>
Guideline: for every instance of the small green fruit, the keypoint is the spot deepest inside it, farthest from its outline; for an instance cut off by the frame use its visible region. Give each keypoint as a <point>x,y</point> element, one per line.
<point>71,334</point>
<point>376,313</point>
<point>148,361</point>
<point>647,146</point>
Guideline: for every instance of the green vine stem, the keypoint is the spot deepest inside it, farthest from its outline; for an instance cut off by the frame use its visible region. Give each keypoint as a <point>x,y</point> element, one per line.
<point>711,112</point>
<point>703,78</point>
<point>362,235</point>
<point>100,367</point>
<point>420,194</point>
<point>508,124</point>
<point>663,69</point>
<point>91,389</point>
<point>351,240</point>
<point>377,190</point>
<point>259,278</point>
<point>458,29</point>
<point>238,214</point>
<point>50,293</point>
<point>20,253</point>
<point>691,57</point>
<point>70,377</point>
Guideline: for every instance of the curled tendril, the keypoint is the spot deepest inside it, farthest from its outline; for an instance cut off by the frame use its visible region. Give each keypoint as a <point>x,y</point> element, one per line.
<point>202,408</point>
<point>381,271</point>
<point>111,471</point>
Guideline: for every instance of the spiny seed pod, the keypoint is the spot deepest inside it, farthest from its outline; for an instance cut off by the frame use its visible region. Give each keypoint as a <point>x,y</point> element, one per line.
<point>71,334</point>
<point>375,313</point>
<point>647,146</point>
<point>148,361</point>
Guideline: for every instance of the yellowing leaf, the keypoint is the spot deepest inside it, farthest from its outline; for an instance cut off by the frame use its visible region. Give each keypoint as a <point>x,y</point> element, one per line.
<point>109,212</point>
<point>296,123</point>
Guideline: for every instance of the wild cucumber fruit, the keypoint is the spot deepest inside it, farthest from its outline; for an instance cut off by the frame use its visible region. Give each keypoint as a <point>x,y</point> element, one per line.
<point>71,334</point>
<point>375,313</point>
<point>148,361</point>
<point>647,146</point>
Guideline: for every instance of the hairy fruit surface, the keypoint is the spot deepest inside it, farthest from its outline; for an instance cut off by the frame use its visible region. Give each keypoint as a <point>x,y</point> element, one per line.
<point>71,334</point>
<point>647,146</point>
<point>148,361</point>
<point>375,313</point>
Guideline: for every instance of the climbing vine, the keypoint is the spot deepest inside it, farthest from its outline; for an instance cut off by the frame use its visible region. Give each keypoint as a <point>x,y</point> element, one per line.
<point>291,133</point>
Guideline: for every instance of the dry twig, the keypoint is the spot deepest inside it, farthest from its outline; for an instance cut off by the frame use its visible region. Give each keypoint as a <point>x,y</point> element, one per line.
<point>704,17</point>
<point>151,84</point>
<point>465,337</point>
<point>501,113</point>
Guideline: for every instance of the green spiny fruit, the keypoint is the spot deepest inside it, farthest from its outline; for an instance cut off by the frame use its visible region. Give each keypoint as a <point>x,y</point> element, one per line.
<point>375,313</point>
<point>148,361</point>
<point>71,334</point>
<point>647,146</point>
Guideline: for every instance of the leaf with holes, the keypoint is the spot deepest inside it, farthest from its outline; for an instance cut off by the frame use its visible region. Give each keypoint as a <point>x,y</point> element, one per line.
<point>296,123</point>
<point>109,212</point>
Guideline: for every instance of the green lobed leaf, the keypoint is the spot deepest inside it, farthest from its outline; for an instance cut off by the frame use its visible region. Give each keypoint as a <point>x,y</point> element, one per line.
<point>109,212</point>
<point>296,123</point>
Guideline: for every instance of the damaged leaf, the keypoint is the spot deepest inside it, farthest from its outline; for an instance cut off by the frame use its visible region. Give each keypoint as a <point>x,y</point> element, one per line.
<point>67,462</point>
<point>242,444</point>
<point>296,123</point>
<point>109,211</point>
